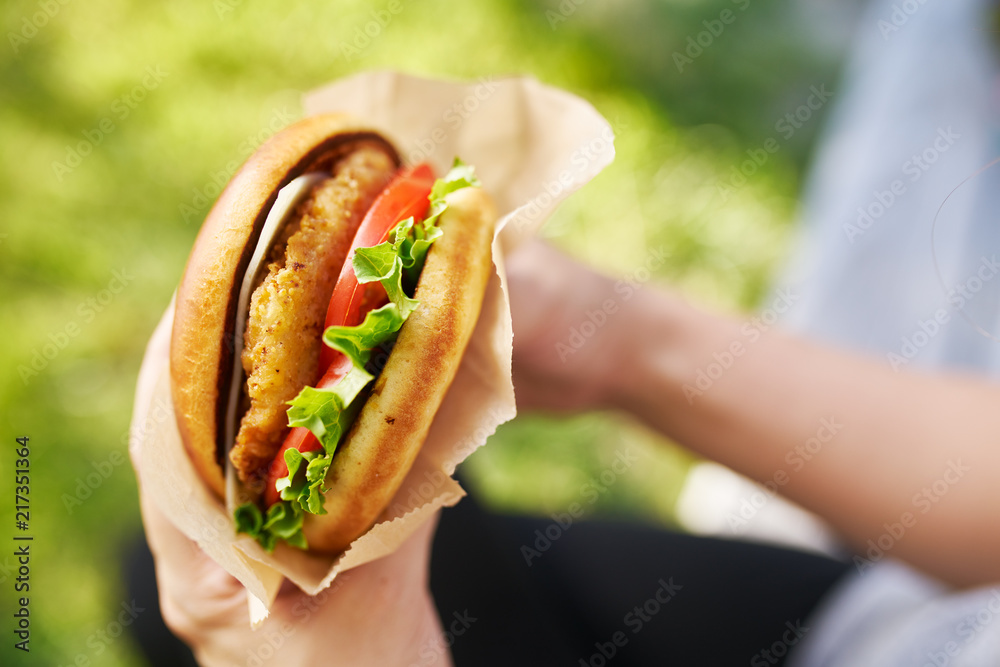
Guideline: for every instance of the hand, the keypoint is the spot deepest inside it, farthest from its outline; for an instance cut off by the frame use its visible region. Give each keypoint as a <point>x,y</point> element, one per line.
<point>571,326</point>
<point>378,614</point>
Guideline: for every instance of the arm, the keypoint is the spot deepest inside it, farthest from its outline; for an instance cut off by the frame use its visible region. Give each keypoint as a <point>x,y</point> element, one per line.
<point>864,447</point>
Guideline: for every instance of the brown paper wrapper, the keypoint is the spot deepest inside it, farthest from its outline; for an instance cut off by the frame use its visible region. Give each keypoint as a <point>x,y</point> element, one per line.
<point>532,146</point>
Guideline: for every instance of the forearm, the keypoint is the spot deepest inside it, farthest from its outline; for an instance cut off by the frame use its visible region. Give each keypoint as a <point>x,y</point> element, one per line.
<point>870,450</point>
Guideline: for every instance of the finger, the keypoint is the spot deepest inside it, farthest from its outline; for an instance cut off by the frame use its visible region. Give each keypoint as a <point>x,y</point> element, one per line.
<point>339,620</point>
<point>195,592</point>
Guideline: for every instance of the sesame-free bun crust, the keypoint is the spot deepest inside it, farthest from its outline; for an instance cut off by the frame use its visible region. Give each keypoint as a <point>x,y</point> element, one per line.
<point>369,466</point>
<point>202,343</point>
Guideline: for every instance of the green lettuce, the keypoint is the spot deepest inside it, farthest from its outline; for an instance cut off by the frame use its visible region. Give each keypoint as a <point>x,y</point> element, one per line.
<point>321,410</point>
<point>358,342</point>
<point>305,488</point>
<point>329,413</point>
<point>282,522</point>
<point>397,263</point>
<point>382,263</point>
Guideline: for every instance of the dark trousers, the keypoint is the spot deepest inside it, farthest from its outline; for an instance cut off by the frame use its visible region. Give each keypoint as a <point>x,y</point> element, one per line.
<point>522,591</point>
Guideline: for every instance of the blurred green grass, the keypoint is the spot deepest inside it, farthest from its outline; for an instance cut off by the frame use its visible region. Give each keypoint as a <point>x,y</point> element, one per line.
<point>230,68</point>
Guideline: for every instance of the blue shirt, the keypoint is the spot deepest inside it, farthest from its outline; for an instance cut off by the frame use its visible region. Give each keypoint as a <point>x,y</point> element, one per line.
<point>899,259</point>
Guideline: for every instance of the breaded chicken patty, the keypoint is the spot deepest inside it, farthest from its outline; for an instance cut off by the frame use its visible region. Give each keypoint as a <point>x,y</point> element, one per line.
<point>281,350</point>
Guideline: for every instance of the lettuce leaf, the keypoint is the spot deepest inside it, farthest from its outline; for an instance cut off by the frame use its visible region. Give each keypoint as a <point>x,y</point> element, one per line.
<point>358,342</point>
<point>283,521</point>
<point>460,176</point>
<point>328,413</point>
<point>397,264</point>
<point>321,410</point>
<point>305,485</point>
<point>382,263</point>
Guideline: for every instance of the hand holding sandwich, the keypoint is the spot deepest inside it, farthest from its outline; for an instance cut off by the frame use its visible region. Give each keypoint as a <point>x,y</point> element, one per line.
<point>321,319</point>
<point>380,613</point>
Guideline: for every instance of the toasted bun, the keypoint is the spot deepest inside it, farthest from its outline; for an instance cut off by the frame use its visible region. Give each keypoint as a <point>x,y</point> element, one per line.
<point>202,345</point>
<point>370,464</point>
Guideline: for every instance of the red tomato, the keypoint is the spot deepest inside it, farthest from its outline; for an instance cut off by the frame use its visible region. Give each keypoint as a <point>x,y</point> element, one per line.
<point>301,438</point>
<point>406,196</point>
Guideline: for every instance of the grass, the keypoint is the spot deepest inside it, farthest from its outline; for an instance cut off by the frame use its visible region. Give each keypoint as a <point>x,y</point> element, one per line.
<point>92,245</point>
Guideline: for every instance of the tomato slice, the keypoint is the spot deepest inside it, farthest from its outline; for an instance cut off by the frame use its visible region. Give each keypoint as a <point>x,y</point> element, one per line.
<point>301,438</point>
<point>405,196</point>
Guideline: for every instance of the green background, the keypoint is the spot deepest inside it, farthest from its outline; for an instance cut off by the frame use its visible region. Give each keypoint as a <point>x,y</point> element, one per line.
<point>233,67</point>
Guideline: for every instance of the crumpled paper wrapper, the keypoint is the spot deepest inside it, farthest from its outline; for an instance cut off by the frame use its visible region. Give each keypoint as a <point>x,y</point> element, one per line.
<point>532,146</point>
